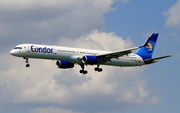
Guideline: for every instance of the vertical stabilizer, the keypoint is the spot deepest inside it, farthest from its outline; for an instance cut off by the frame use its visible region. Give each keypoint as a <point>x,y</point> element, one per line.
<point>147,50</point>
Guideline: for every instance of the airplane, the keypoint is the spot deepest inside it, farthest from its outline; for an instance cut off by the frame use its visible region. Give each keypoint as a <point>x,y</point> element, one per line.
<point>67,57</point>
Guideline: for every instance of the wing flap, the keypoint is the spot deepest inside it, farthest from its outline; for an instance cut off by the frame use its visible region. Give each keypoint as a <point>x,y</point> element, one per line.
<point>118,53</point>
<point>108,56</point>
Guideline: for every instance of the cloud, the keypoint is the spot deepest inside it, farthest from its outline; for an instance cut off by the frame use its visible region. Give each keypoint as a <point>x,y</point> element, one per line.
<point>125,1</point>
<point>45,88</point>
<point>52,110</point>
<point>41,21</point>
<point>98,40</point>
<point>53,89</point>
<point>173,16</point>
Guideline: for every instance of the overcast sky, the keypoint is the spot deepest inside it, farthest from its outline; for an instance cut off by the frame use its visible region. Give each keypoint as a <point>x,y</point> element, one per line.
<point>94,24</point>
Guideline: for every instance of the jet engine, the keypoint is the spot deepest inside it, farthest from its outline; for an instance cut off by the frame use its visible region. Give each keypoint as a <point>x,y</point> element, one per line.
<point>90,60</point>
<point>64,64</point>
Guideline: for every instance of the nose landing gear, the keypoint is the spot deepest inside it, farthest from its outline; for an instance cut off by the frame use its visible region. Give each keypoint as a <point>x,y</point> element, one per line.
<point>27,62</point>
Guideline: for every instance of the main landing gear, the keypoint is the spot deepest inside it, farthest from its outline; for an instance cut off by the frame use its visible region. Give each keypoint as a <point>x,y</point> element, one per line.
<point>98,69</point>
<point>27,62</point>
<point>85,71</point>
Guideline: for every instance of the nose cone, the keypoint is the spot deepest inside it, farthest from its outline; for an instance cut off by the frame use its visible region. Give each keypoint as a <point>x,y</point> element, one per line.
<point>13,52</point>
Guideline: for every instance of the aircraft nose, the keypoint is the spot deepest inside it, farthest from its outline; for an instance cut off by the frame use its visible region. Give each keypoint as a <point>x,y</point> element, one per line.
<point>13,52</point>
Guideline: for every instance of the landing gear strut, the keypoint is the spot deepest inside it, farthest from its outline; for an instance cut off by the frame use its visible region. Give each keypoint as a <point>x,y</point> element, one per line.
<point>27,62</point>
<point>98,69</point>
<point>83,71</point>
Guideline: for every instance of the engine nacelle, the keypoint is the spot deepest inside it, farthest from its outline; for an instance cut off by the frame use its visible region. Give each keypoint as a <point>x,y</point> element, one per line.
<point>90,60</point>
<point>64,64</point>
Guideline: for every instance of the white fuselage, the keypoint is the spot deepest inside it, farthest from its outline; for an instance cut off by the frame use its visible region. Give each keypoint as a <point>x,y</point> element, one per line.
<point>73,55</point>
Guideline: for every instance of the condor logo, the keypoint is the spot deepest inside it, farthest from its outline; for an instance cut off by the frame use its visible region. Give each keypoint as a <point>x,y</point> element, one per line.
<point>149,47</point>
<point>41,50</point>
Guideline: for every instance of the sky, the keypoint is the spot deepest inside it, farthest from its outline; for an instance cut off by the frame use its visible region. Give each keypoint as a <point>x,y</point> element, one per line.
<point>93,24</point>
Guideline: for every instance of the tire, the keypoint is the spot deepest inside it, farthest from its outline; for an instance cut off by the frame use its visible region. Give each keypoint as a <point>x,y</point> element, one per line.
<point>27,65</point>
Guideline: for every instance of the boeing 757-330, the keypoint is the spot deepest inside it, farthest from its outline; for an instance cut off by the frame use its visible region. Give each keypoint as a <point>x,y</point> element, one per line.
<point>67,57</point>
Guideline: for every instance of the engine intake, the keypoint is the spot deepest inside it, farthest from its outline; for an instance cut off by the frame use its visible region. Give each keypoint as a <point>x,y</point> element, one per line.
<point>90,60</point>
<point>64,64</point>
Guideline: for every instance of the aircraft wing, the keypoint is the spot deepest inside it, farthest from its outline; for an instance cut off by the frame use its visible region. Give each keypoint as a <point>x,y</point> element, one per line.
<point>108,56</point>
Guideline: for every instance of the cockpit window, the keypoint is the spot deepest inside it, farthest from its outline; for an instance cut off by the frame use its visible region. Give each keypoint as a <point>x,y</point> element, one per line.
<point>18,48</point>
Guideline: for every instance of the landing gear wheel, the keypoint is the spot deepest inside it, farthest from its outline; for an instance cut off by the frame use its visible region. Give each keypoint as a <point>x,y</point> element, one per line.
<point>100,70</point>
<point>96,69</point>
<point>85,72</point>
<point>27,65</point>
<point>81,71</point>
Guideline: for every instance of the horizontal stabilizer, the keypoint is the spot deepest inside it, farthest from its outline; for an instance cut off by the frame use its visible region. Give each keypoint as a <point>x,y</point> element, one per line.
<point>153,59</point>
